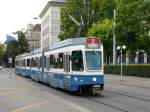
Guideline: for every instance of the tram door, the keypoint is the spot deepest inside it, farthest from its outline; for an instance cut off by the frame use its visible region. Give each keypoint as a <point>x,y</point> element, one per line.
<point>66,60</point>
<point>66,63</point>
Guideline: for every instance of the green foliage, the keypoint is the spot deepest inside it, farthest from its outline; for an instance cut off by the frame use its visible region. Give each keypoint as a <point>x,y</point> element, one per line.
<point>12,49</point>
<point>106,8</point>
<point>2,50</point>
<point>2,53</point>
<point>144,42</point>
<point>22,43</point>
<point>132,21</point>
<point>103,30</point>
<point>130,70</point>
<point>16,48</point>
<point>74,8</point>
<point>92,11</point>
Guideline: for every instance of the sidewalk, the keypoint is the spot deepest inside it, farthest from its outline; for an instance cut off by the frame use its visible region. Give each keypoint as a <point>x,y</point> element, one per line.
<point>128,80</point>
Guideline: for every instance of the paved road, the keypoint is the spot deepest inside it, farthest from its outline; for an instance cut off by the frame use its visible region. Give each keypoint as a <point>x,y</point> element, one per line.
<point>18,94</point>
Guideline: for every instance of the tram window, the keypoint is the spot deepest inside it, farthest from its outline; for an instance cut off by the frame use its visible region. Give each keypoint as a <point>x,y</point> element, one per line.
<point>93,60</point>
<point>51,61</point>
<point>56,63</point>
<point>32,62</point>
<point>77,61</point>
<point>47,63</point>
<point>38,63</point>
<point>16,63</point>
<point>21,63</point>
<point>41,62</point>
<point>28,62</point>
<point>44,61</point>
<point>60,60</point>
<point>24,63</point>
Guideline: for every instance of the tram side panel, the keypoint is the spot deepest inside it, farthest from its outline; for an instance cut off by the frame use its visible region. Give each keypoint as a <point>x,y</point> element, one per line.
<point>72,80</point>
<point>68,68</point>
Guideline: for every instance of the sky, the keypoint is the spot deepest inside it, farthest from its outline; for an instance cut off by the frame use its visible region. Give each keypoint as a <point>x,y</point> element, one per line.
<point>16,14</point>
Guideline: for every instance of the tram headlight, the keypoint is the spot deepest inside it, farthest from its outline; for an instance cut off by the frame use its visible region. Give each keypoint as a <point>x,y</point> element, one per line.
<point>94,79</point>
<point>75,78</point>
<point>68,77</point>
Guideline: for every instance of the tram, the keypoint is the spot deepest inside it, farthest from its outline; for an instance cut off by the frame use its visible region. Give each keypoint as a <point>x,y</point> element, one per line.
<point>75,65</point>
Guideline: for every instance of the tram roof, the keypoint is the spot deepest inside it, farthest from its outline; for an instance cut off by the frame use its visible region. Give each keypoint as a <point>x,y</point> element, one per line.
<point>69,42</point>
<point>37,51</point>
<point>64,43</point>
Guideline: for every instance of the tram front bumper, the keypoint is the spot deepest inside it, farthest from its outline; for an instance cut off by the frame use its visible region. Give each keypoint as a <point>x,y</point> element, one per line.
<point>96,82</point>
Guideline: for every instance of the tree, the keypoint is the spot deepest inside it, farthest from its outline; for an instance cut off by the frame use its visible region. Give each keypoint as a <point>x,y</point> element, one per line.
<point>12,50</point>
<point>74,8</point>
<point>144,43</point>
<point>91,11</point>
<point>15,48</point>
<point>22,43</point>
<point>2,53</point>
<point>103,29</point>
<point>132,22</point>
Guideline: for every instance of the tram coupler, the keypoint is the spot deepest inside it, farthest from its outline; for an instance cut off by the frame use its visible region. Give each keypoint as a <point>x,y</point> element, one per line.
<point>97,89</point>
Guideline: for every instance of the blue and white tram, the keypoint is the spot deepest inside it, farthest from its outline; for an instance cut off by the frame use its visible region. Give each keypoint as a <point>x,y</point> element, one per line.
<point>73,65</point>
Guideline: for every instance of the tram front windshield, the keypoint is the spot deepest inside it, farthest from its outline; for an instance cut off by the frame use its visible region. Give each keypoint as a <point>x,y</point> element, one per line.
<point>93,60</point>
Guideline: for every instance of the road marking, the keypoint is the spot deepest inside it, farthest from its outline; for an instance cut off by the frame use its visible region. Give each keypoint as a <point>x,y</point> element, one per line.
<point>70,104</point>
<point>29,106</point>
<point>73,105</point>
<point>12,88</point>
<point>4,93</point>
<point>3,77</point>
<point>17,97</point>
<point>28,84</point>
<point>77,107</point>
<point>21,98</point>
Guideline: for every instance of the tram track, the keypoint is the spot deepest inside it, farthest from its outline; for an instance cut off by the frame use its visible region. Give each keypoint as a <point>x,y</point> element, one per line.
<point>116,106</point>
<point>127,95</point>
<point>108,105</point>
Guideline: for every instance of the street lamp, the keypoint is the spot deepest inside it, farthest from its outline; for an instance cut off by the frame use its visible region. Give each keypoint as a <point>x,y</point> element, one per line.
<point>121,48</point>
<point>114,39</point>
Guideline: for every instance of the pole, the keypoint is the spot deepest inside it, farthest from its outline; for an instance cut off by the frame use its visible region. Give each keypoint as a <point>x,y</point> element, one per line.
<point>121,65</point>
<point>114,39</point>
<point>10,70</point>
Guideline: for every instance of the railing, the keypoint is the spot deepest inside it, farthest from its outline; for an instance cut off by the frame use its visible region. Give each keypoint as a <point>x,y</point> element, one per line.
<point>141,58</point>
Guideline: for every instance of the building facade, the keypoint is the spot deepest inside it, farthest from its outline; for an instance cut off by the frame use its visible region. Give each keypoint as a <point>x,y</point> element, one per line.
<point>33,35</point>
<point>51,23</point>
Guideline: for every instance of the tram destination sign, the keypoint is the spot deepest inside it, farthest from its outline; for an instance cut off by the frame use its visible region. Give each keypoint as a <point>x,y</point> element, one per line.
<point>93,42</point>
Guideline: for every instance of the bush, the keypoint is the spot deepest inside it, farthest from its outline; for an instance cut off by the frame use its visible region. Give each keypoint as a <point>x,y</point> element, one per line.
<point>129,70</point>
